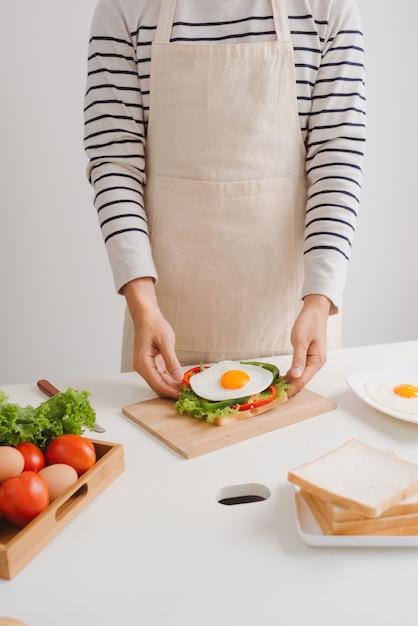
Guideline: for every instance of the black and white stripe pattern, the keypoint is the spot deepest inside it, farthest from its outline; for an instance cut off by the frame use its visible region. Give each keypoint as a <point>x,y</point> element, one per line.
<point>329,65</point>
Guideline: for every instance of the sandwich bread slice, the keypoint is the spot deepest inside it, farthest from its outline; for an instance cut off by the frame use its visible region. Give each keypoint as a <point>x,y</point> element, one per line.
<point>385,524</point>
<point>359,478</point>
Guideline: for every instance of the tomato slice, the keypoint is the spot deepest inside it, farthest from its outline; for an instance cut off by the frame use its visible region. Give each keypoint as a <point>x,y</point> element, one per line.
<point>257,403</point>
<point>190,372</point>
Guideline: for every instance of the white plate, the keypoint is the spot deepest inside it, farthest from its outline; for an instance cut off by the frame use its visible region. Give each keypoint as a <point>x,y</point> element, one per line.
<point>310,533</point>
<point>407,372</point>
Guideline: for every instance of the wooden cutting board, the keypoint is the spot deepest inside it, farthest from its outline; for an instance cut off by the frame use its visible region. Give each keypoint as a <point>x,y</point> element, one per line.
<point>191,437</point>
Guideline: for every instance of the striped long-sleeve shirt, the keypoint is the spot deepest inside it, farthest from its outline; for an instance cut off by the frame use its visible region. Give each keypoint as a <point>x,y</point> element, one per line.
<point>329,67</point>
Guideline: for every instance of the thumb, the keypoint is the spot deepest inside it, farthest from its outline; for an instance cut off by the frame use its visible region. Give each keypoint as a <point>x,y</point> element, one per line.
<point>298,364</point>
<point>177,374</point>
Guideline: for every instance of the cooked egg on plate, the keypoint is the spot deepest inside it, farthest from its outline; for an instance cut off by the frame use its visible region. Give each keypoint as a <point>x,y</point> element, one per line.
<point>403,376</point>
<point>394,394</point>
<point>228,379</point>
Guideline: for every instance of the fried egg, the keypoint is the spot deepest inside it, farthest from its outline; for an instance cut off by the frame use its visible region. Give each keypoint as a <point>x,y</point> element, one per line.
<point>394,394</point>
<point>228,379</point>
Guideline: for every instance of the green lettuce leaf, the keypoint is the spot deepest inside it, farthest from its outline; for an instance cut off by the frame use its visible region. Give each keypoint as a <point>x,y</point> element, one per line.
<point>189,403</point>
<point>66,412</point>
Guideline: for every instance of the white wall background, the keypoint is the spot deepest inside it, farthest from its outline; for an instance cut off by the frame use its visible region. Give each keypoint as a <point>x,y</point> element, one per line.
<point>59,314</point>
<point>381,298</point>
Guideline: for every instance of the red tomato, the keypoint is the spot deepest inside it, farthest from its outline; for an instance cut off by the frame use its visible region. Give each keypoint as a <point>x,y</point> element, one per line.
<point>23,497</point>
<point>73,450</point>
<point>34,457</point>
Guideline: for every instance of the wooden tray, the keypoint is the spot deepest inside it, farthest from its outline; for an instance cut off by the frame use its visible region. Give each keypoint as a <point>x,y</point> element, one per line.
<point>18,547</point>
<point>191,437</point>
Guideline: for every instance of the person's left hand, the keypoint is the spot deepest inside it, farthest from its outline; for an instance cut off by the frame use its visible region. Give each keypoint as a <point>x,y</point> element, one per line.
<point>309,341</point>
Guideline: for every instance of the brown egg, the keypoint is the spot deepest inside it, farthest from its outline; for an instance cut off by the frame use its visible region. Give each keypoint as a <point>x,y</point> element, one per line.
<point>58,477</point>
<point>12,462</point>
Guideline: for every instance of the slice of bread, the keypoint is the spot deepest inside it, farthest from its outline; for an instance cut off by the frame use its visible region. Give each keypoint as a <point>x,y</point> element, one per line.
<point>317,512</point>
<point>243,415</point>
<point>401,531</point>
<point>358,477</point>
<point>336,513</point>
<point>385,524</point>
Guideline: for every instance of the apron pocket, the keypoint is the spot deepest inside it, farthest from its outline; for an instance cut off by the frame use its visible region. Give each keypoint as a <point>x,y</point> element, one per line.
<point>229,263</point>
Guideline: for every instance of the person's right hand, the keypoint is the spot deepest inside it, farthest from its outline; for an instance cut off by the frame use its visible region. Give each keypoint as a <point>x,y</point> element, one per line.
<point>154,354</point>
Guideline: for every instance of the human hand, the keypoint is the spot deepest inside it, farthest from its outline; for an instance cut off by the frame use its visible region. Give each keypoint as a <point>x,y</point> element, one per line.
<point>309,341</point>
<point>154,354</point>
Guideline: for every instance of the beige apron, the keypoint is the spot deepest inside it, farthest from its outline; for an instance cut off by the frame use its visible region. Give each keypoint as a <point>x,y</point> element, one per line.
<point>225,193</point>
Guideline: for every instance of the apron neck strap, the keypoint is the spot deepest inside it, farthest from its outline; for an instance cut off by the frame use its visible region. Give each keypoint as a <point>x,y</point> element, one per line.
<point>281,25</point>
<point>165,21</point>
<point>168,9</point>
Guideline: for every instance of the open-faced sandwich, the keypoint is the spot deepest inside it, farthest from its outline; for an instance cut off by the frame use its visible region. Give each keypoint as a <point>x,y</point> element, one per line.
<point>231,390</point>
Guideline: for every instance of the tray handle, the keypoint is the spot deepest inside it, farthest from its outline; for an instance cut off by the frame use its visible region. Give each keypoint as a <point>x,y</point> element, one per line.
<point>66,507</point>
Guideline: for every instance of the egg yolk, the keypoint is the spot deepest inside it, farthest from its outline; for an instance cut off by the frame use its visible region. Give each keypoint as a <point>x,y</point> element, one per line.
<point>406,391</point>
<point>234,379</point>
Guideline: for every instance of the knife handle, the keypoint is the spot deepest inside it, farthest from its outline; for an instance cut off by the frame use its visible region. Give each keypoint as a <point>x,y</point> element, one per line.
<point>47,387</point>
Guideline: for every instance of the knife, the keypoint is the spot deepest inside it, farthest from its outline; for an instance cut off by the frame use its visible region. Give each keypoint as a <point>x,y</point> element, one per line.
<point>50,390</point>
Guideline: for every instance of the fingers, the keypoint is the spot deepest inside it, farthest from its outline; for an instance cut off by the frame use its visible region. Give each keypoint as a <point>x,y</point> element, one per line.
<point>168,363</point>
<point>164,379</point>
<point>155,358</point>
<point>309,348</point>
<point>153,370</point>
<point>299,381</point>
<point>305,364</point>
<point>162,384</point>
<point>169,375</point>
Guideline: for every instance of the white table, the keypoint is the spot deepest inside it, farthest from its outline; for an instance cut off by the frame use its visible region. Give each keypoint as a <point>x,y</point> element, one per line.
<point>156,548</point>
